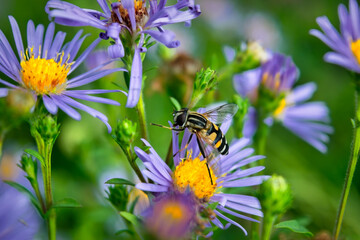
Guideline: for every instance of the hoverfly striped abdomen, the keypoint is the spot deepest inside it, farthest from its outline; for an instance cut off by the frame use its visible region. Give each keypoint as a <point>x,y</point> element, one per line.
<point>218,139</point>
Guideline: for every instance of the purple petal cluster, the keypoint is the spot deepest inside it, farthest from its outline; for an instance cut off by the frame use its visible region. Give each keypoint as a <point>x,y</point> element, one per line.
<point>345,45</point>
<point>233,173</point>
<point>308,120</point>
<point>51,46</point>
<point>138,21</point>
<point>278,74</point>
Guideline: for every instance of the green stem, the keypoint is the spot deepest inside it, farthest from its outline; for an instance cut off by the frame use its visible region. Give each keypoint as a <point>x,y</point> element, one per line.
<point>134,165</point>
<point>2,138</point>
<point>355,147</point>
<point>169,156</point>
<point>268,222</point>
<point>140,107</point>
<point>260,139</point>
<point>51,220</point>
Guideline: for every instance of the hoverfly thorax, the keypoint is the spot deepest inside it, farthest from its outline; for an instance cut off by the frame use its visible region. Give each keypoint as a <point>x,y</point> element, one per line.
<point>180,117</point>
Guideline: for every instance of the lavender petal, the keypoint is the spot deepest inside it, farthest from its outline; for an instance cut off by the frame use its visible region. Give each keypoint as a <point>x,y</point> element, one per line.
<point>135,80</point>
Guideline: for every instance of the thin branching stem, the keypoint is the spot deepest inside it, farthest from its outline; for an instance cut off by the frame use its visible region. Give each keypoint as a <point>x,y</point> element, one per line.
<point>355,147</point>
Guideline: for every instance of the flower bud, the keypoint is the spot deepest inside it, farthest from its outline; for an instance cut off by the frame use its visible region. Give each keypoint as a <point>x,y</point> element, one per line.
<point>28,165</point>
<point>275,196</point>
<point>251,55</point>
<point>47,127</point>
<point>118,197</point>
<point>125,133</point>
<point>205,81</point>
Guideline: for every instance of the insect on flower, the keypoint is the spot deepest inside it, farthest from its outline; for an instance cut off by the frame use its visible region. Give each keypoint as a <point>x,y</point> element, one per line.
<point>209,137</point>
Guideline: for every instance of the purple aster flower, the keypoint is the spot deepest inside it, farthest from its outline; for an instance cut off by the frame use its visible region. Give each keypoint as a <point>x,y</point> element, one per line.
<point>230,171</point>
<point>43,68</point>
<point>128,16</point>
<point>308,120</point>
<point>346,44</point>
<point>171,215</point>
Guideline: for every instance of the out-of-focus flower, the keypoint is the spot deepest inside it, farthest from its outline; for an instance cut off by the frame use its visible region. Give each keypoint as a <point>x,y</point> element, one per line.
<point>128,16</point>
<point>18,219</point>
<point>250,55</point>
<point>171,215</point>
<point>346,44</point>
<point>43,68</point>
<point>270,90</point>
<point>192,173</point>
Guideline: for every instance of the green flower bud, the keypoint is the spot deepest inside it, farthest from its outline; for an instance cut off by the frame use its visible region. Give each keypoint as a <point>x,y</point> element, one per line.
<point>205,81</point>
<point>118,196</point>
<point>125,133</point>
<point>28,165</point>
<point>275,196</point>
<point>239,118</point>
<point>47,127</point>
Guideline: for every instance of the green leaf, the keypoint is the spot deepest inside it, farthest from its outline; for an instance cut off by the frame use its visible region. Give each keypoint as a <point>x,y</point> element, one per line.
<point>119,181</point>
<point>35,154</point>
<point>128,231</point>
<point>67,203</point>
<point>133,204</point>
<point>24,190</point>
<point>130,217</point>
<point>175,103</point>
<point>294,226</point>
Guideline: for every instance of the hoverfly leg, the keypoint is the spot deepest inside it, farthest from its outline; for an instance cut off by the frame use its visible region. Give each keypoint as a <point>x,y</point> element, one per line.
<point>205,158</point>
<point>187,144</point>
<point>174,129</point>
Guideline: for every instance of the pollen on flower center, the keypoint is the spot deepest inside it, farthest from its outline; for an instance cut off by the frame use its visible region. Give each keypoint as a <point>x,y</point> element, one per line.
<point>194,174</point>
<point>44,76</point>
<point>280,108</point>
<point>355,48</point>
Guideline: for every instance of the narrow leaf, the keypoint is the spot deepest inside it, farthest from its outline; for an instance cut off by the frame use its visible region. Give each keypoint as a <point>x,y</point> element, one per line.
<point>175,103</point>
<point>35,154</point>
<point>294,226</point>
<point>24,190</point>
<point>130,217</point>
<point>119,181</point>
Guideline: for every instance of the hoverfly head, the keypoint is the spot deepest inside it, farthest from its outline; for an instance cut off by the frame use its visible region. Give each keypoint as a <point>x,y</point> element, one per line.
<point>180,117</point>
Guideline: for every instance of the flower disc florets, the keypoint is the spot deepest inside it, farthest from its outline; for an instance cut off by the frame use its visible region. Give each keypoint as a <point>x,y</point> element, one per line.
<point>44,76</point>
<point>194,174</point>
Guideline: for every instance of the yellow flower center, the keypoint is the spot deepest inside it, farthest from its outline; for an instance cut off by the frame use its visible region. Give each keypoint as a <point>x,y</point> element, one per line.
<point>195,175</point>
<point>173,211</point>
<point>44,76</point>
<point>355,48</point>
<point>280,108</point>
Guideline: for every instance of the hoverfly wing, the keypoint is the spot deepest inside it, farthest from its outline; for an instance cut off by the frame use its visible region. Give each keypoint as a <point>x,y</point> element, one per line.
<point>222,113</point>
<point>212,155</point>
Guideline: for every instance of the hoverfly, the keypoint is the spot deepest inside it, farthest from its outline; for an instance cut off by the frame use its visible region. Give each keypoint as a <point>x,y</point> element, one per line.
<point>205,127</point>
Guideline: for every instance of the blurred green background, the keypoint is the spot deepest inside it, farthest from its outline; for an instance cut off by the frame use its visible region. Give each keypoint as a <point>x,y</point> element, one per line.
<point>85,156</point>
